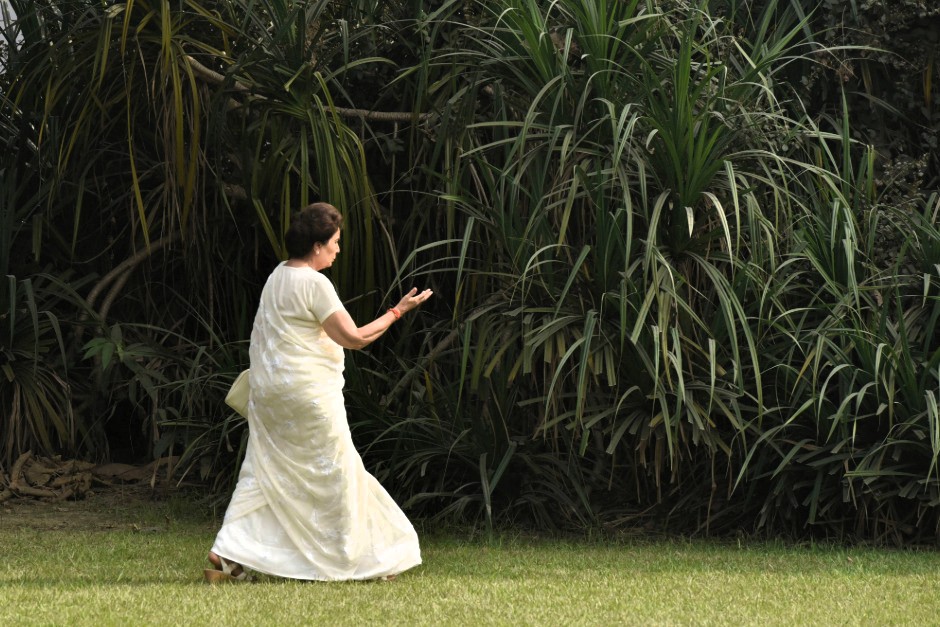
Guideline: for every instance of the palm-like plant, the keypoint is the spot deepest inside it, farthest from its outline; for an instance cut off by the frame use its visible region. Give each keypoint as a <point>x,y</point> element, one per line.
<point>659,292</point>
<point>633,229</point>
<point>595,213</point>
<point>166,150</point>
<point>36,389</point>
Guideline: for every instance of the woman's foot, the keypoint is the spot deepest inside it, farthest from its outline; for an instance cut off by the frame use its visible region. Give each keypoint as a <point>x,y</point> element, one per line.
<point>224,571</point>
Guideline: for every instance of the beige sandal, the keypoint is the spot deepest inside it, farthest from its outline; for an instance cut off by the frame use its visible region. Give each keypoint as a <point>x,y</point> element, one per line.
<point>225,575</point>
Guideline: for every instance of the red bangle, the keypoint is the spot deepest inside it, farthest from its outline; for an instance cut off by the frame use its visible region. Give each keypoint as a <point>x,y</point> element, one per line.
<point>395,313</point>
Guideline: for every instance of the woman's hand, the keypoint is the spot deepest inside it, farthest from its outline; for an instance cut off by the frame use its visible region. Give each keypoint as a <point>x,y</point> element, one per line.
<point>412,299</point>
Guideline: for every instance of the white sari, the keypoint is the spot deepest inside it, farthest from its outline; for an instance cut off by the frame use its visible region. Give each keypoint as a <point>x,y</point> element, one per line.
<point>305,507</point>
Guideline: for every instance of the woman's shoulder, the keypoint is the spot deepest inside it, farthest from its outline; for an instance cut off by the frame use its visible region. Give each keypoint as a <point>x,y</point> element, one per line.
<point>321,280</point>
<point>304,275</point>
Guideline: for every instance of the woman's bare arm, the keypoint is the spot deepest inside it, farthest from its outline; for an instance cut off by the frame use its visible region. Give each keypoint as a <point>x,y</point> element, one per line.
<point>343,330</point>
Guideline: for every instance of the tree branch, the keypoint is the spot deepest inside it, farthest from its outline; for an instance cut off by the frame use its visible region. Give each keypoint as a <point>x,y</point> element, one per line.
<point>215,78</point>
<point>127,265</point>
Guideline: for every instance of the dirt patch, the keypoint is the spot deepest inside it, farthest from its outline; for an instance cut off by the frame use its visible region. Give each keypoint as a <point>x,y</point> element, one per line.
<point>46,493</point>
<point>134,507</point>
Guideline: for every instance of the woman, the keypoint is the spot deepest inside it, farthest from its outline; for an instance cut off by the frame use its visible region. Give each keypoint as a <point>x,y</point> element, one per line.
<point>304,506</point>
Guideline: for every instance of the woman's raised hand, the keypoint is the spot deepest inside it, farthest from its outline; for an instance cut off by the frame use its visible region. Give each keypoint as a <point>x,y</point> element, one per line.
<point>412,299</point>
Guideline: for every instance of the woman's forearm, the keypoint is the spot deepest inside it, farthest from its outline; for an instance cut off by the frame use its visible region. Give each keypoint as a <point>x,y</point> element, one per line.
<point>374,330</point>
<point>342,330</point>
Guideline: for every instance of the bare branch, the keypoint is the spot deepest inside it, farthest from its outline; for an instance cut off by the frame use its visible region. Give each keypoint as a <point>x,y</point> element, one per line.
<point>127,265</point>
<point>215,78</point>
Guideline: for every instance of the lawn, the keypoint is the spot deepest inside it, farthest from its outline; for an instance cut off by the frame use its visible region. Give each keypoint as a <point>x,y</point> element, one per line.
<point>129,561</point>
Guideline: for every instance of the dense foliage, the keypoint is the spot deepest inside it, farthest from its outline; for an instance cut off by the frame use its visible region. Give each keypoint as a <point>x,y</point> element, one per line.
<point>676,284</point>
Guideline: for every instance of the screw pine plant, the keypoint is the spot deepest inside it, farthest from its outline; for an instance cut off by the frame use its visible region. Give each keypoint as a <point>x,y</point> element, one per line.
<point>158,159</point>
<point>620,329</point>
<point>637,234</point>
<point>856,440</point>
<point>662,293</point>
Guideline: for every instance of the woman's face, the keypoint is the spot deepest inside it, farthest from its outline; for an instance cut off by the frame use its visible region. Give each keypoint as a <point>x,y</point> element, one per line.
<point>325,254</point>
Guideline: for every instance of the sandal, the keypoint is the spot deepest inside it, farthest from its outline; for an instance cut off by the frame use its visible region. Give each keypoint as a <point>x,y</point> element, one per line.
<point>225,574</point>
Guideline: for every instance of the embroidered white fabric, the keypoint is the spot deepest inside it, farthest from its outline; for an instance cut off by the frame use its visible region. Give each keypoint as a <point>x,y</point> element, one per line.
<point>305,507</point>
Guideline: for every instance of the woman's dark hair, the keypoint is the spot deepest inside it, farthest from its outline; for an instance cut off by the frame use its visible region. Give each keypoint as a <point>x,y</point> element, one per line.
<point>314,224</point>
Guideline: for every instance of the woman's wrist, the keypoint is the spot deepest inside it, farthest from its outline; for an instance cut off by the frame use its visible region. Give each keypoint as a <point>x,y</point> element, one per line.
<point>395,311</point>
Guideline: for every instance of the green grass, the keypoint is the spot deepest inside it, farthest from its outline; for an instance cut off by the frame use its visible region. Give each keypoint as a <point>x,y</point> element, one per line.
<point>142,565</point>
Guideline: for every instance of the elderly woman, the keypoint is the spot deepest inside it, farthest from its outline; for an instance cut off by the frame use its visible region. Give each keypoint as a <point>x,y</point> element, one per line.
<point>305,507</point>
